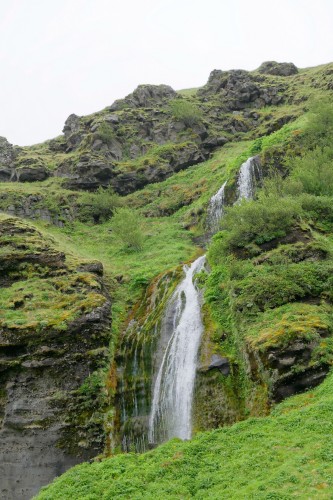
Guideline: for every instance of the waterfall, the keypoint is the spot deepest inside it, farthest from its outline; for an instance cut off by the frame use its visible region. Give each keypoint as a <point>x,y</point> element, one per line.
<point>172,396</point>
<point>248,173</point>
<point>215,209</point>
<point>173,392</point>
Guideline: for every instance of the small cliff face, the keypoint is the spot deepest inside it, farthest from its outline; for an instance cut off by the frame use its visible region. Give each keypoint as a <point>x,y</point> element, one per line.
<point>54,322</point>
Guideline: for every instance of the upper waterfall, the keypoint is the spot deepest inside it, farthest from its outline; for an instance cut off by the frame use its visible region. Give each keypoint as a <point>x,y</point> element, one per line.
<point>246,183</point>
<point>215,209</point>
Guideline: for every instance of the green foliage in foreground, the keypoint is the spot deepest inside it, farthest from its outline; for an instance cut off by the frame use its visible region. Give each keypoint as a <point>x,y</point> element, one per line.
<point>282,457</point>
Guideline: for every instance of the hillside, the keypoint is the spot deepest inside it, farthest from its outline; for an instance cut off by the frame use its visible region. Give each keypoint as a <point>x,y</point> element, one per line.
<point>128,190</point>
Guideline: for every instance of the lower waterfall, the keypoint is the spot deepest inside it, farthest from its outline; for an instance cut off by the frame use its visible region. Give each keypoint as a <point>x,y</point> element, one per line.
<point>174,385</point>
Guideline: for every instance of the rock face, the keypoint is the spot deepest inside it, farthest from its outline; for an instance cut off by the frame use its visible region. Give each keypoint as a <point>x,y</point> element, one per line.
<point>288,370</point>
<point>97,150</point>
<point>53,335</point>
<point>7,156</point>
<point>239,89</point>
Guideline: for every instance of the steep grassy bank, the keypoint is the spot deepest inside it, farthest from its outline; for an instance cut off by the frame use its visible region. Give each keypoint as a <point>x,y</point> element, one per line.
<point>287,455</point>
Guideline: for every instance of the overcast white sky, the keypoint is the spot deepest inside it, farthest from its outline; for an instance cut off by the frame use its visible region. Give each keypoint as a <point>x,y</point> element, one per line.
<point>77,56</point>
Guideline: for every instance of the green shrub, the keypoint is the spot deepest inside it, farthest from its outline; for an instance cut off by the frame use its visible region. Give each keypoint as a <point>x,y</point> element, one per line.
<point>314,170</point>
<point>259,221</point>
<point>105,133</point>
<point>98,206</point>
<point>266,287</point>
<point>319,129</point>
<point>127,225</point>
<point>186,111</point>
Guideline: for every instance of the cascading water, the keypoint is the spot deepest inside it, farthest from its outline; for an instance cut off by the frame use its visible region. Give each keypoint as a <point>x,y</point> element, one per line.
<point>215,209</point>
<point>248,173</point>
<point>180,336</point>
<point>174,385</point>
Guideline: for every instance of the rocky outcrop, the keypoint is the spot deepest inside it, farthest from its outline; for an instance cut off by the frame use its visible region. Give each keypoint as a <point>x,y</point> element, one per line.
<point>7,157</point>
<point>288,370</point>
<point>54,328</point>
<point>239,89</point>
<point>145,96</point>
<point>7,153</point>
<point>37,206</point>
<point>88,173</point>
<point>278,69</point>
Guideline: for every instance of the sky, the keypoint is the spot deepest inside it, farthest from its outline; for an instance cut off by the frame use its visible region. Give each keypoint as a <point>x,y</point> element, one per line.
<point>59,57</point>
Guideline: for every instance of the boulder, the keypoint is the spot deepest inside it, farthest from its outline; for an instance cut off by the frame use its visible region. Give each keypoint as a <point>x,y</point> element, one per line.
<point>278,69</point>
<point>31,174</point>
<point>145,96</point>
<point>29,169</point>
<point>214,142</point>
<point>219,363</point>
<point>7,153</point>
<point>72,125</point>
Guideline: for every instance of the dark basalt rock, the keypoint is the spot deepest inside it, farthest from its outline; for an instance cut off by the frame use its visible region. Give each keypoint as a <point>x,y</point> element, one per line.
<point>238,90</point>
<point>43,428</point>
<point>88,174</point>
<point>7,153</point>
<point>176,160</point>
<point>288,370</point>
<point>220,363</point>
<point>278,69</point>
<point>145,96</point>
<point>214,142</point>
<point>31,174</point>
<point>6,174</point>
<point>72,125</point>
<point>294,384</point>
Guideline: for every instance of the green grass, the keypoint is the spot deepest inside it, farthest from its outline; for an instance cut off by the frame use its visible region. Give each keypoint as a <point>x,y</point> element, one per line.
<point>45,289</point>
<point>285,456</point>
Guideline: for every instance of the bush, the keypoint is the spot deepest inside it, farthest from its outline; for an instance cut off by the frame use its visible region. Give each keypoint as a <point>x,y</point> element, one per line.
<point>186,111</point>
<point>259,221</point>
<point>319,129</point>
<point>266,287</point>
<point>315,171</point>
<point>105,133</point>
<point>99,206</point>
<point>126,224</point>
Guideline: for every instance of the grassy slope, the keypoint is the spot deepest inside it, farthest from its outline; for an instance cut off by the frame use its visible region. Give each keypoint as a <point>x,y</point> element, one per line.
<point>288,455</point>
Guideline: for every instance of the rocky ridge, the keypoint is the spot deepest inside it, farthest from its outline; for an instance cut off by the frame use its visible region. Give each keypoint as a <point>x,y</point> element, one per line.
<point>119,146</point>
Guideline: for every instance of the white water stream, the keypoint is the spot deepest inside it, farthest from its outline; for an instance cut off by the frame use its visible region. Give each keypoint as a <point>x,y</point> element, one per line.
<point>174,385</point>
<point>247,178</point>
<point>173,391</point>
